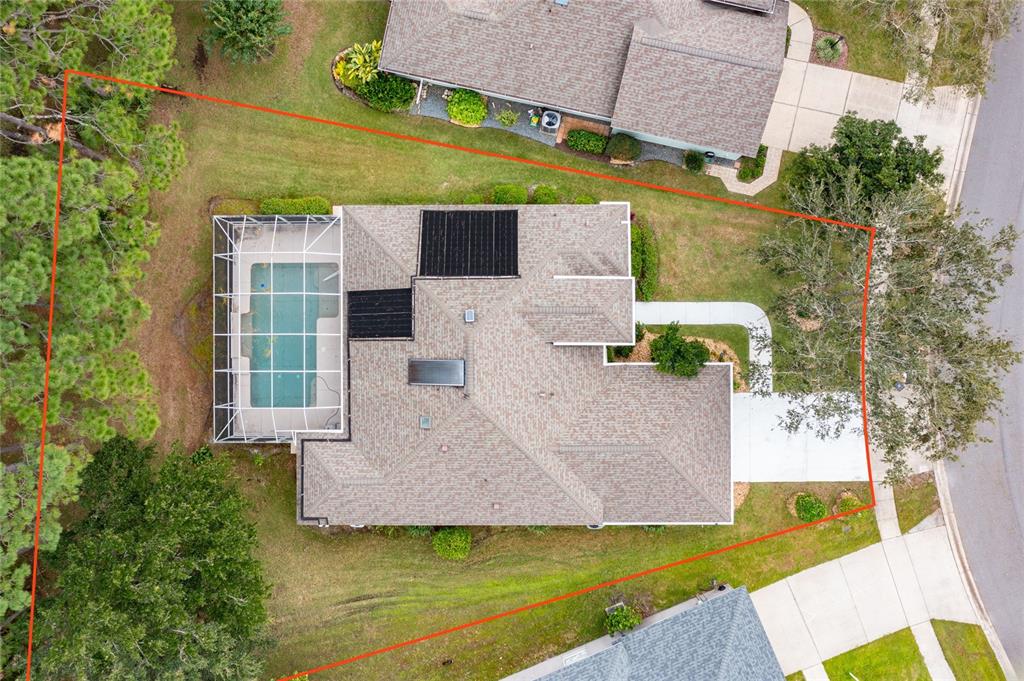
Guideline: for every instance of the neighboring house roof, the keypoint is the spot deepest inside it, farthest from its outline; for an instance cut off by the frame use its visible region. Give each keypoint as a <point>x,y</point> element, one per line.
<point>721,639</point>
<point>688,70</point>
<point>541,434</point>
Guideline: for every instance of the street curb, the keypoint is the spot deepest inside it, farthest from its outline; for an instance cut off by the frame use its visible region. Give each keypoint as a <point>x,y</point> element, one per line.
<point>963,153</point>
<point>953,533</point>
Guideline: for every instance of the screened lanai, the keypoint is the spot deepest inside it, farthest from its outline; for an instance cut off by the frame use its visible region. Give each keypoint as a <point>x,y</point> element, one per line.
<point>278,328</point>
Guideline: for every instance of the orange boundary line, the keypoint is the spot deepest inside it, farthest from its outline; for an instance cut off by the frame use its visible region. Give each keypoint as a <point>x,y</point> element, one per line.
<point>479,152</point>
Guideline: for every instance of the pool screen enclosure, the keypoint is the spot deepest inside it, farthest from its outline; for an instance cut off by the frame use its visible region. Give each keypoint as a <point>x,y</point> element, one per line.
<point>277,327</point>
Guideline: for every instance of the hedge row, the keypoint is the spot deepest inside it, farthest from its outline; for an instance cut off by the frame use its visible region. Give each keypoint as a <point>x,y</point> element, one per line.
<point>622,147</point>
<point>644,249</point>
<point>303,205</point>
<point>586,141</point>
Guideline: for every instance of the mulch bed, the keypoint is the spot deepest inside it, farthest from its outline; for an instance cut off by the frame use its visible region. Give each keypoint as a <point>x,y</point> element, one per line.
<point>843,47</point>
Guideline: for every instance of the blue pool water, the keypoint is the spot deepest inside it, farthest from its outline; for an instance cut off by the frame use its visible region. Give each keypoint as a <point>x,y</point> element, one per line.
<point>292,307</point>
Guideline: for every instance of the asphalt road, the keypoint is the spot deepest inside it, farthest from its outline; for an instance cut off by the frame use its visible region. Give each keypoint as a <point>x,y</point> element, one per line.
<point>987,485</point>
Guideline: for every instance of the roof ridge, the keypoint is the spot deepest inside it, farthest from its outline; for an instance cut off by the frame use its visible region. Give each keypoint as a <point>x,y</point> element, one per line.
<point>730,638</point>
<point>714,55</point>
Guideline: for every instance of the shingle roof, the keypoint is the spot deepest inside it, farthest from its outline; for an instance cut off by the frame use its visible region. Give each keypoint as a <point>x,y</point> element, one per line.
<point>541,434</point>
<point>719,640</point>
<point>689,70</point>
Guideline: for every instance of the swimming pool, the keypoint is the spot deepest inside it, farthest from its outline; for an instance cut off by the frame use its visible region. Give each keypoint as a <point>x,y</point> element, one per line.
<point>290,298</point>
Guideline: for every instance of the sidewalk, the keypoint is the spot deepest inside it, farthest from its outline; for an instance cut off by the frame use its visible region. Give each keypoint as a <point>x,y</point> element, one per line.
<point>902,582</point>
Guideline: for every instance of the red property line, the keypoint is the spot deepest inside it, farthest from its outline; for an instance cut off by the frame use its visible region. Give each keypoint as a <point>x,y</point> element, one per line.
<point>479,152</point>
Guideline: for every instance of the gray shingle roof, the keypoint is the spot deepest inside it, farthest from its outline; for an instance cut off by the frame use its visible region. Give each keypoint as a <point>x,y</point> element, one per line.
<point>693,71</point>
<point>719,640</point>
<point>541,434</point>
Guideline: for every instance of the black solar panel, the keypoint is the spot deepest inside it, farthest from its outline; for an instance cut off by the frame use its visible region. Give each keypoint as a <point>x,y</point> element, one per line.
<point>469,243</point>
<point>384,313</point>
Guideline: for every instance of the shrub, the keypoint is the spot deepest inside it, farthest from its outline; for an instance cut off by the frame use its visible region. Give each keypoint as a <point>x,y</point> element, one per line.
<point>828,48</point>
<point>622,147</point>
<point>677,356</point>
<point>418,530</point>
<point>584,199</point>
<point>509,193</point>
<point>452,543</point>
<point>752,168</point>
<point>361,62</point>
<point>639,329</point>
<point>644,249</point>
<point>247,30</point>
<point>303,205</point>
<point>625,618</point>
<point>621,350</point>
<point>694,161</point>
<point>849,502</point>
<point>467,107</point>
<point>789,37</point>
<point>544,194</point>
<point>584,140</point>
<point>508,117</point>
<point>810,508</point>
<point>653,529</point>
<point>473,198</point>
<point>387,92</point>
<point>538,529</point>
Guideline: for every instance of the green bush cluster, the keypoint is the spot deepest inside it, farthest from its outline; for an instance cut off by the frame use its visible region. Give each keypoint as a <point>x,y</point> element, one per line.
<point>752,168</point>
<point>694,161</point>
<point>810,508</point>
<point>418,530</point>
<point>584,140</point>
<point>620,351</point>
<point>623,147</point>
<point>387,92</point>
<point>622,619</point>
<point>452,543</point>
<point>467,107</point>
<point>510,193</point>
<point>508,117</point>
<point>644,249</point>
<point>829,48</point>
<point>302,205</point>
<point>584,199</point>
<point>653,529</point>
<point>544,194</point>
<point>849,502</point>
<point>677,356</point>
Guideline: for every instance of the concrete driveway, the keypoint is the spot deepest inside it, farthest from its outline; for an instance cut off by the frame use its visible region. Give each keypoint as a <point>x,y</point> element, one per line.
<point>826,610</point>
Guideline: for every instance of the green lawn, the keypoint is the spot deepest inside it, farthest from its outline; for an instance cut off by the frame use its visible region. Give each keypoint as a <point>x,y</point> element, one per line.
<point>796,676</point>
<point>872,48</point>
<point>341,593</point>
<point>967,651</point>
<point>895,657</point>
<point>916,499</point>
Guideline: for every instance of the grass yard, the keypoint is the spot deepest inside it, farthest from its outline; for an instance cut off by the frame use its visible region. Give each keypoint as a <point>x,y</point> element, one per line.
<point>916,499</point>
<point>967,651</point>
<point>239,154</point>
<point>873,49</point>
<point>341,593</point>
<point>895,657</point>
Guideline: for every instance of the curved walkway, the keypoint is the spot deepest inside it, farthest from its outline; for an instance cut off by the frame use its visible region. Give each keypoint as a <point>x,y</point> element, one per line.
<point>747,315</point>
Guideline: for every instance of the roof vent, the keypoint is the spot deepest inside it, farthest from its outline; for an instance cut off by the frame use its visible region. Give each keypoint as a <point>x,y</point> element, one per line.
<point>425,422</point>
<point>562,3</point>
<point>469,315</point>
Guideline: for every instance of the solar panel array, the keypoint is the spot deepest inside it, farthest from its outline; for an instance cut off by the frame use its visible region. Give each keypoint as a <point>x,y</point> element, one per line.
<point>469,243</point>
<point>383,313</point>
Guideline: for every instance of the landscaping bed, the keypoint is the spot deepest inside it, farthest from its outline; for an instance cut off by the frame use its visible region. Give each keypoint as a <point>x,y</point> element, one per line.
<point>873,49</point>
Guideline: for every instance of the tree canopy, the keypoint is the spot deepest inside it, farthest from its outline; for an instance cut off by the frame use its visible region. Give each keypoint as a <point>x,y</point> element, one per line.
<point>114,156</point>
<point>246,30</point>
<point>676,355</point>
<point>157,580</point>
<point>933,364</point>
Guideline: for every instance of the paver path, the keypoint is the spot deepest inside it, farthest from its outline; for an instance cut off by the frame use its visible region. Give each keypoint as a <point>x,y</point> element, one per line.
<point>834,607</point>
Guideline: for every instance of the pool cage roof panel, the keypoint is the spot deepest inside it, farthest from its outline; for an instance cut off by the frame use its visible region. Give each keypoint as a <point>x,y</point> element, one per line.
<point>278,327</point>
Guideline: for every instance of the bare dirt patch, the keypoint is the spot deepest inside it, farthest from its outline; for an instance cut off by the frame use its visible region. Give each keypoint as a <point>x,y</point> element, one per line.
<point>740,490</point>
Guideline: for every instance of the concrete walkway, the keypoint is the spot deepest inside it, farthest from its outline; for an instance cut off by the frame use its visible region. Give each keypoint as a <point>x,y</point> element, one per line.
<point>837,606</point>
<point>811,98</point>
<point>745,314</point>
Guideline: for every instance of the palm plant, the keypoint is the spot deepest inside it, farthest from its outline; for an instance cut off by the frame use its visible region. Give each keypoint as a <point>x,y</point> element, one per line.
<point>828,48</point>
<point>362,61</point>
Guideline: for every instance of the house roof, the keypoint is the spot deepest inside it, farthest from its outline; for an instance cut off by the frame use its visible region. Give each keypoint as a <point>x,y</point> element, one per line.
<point>721,639</point>
<point>541,433</point>
<point>689,70</point>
